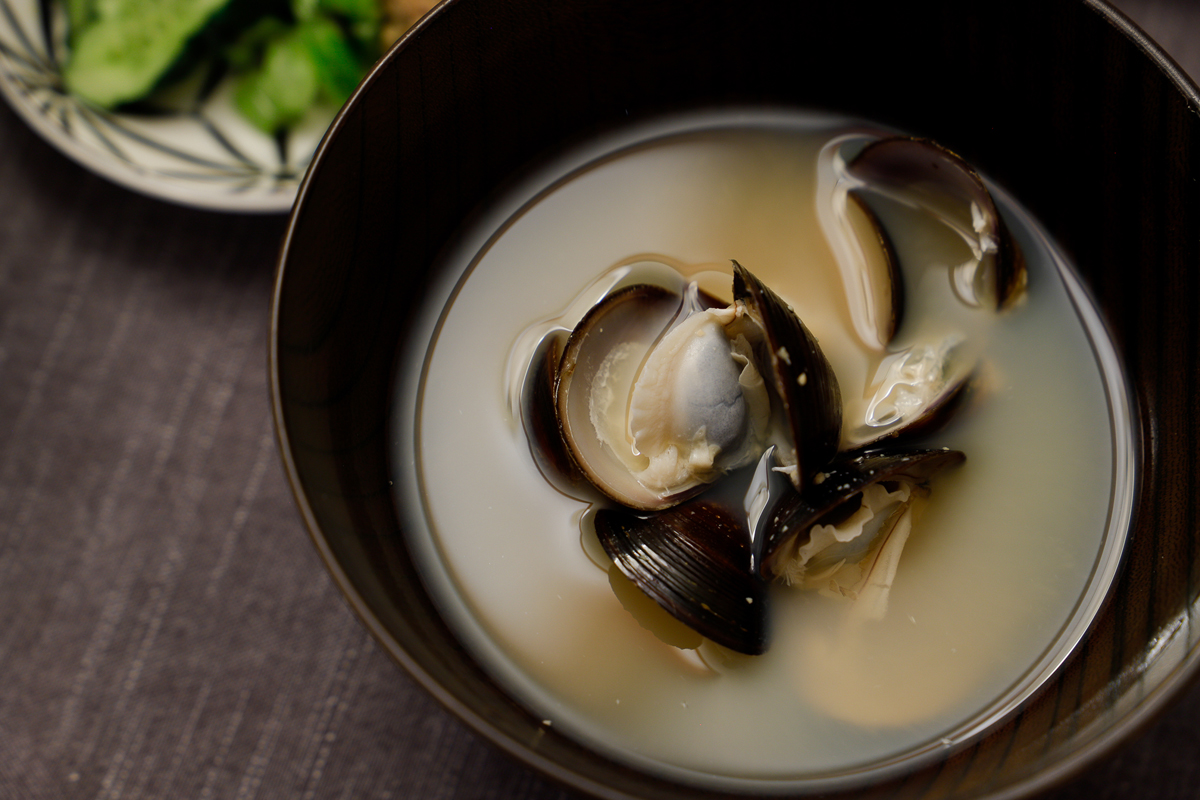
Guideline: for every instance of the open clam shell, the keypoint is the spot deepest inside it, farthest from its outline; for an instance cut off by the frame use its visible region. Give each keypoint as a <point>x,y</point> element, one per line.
<point>661,390</point>
<point>918,391</point>
<point>540,422</point>
<point>694,561</point>
<point>922,173</point>
<point>836,494</point>
<point>595,376</point>
<point>876,269</point>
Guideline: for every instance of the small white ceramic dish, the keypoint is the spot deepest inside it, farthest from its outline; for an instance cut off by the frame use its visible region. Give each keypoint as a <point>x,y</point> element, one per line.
<point>191,149</point>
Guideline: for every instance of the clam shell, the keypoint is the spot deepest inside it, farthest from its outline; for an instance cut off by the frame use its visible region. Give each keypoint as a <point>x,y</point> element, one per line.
<point>628,321</point>
<point>694,561</point>
<point>833,495</point>
<point>922,172</point>
<point>883,277</point>
<point>540,422</point>
<point>803,379</point>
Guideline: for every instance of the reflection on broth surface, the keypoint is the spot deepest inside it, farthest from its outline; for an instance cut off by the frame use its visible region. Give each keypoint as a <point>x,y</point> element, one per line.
<point>1006,563</point>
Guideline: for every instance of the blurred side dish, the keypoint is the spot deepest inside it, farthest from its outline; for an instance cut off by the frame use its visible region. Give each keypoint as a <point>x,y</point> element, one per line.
<point>284,56</point>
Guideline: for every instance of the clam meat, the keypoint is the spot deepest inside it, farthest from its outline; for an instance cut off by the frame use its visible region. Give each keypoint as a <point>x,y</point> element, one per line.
<point>845,532</point>
<point>915,390</point>
<point>662,390</point>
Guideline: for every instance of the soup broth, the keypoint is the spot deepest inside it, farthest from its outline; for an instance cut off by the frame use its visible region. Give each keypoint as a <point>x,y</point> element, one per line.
<point>1008,563</point>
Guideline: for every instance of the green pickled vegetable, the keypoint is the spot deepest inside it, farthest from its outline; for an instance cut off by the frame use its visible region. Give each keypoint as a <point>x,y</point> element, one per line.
<point>282,89</point>
<point>312,61</point>
<point>126,46</point>
<point>80,14</point>
<point>284,55</point>
<point>339,67</point>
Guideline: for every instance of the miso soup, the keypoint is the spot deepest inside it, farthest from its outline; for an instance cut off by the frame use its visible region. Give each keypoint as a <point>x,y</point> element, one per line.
<point>1006,567</point>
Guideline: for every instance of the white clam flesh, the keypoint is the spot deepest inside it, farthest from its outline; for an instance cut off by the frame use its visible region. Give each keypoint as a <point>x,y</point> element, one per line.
<point>659,395</point>
<point>912,390</point>
<point>661,390</point>
<point>699,405</point>
<point>844,535</point>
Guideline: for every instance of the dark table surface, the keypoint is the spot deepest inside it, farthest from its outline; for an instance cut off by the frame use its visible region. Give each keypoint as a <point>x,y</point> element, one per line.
<point>166,628</point>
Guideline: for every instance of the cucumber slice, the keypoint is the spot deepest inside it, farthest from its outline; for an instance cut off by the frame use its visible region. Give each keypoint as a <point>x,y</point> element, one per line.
<point>287,84</point>
<point>130,44</point>
<point>309,62</point>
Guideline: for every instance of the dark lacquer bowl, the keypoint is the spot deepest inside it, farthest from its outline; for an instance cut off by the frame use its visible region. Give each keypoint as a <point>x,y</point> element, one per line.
<point>1063,103</point>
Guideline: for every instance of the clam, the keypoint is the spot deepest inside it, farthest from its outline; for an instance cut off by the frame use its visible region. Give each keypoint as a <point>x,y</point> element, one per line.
<point>902,210</point>
<point>916,390</point>
<point>661,390</point>
<point>923,174</point>
<point>809,400</point>
<point>693,560</point>
<point>870,267</point>
<point>840,523</point>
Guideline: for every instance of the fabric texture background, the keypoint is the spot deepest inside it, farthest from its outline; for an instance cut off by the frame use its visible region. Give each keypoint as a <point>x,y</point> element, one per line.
<point>168,630</point>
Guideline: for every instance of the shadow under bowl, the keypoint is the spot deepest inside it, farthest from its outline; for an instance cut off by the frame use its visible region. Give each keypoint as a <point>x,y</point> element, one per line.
<point>1063,103</point>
